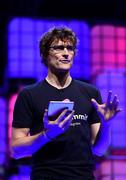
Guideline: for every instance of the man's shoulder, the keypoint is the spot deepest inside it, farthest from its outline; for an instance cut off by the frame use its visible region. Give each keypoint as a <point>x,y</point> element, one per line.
<point>85,85</point>
<point>35,87</point>
<point>88,89</point>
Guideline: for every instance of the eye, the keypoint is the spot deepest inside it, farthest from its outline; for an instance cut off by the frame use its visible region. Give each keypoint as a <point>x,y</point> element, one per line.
<point>62,47</point>
<point>58,47</point>
<point>70,48</point>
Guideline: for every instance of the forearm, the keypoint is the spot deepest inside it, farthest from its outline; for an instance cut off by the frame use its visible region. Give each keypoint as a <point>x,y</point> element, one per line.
<point>28,145</point>
<point>102,140</point>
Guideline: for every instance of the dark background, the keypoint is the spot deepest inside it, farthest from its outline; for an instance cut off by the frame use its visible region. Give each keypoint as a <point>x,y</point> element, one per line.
<point>104,9</point>
<point>89,10</point>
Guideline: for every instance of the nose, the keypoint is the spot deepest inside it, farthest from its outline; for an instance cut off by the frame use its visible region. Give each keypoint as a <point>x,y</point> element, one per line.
<point>65,53</point>
<point>65,56</point>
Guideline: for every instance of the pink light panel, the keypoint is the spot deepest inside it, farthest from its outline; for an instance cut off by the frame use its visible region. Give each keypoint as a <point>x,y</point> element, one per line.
<point>10,116</point>
<point>108,45</point>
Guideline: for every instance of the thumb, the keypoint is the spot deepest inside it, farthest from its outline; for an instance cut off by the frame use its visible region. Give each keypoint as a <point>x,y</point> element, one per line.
<point>94,102</point>
<point>66,100</point>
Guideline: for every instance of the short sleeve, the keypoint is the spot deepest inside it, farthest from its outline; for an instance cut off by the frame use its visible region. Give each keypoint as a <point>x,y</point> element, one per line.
<point>22,114</point>
<point>94,118</point>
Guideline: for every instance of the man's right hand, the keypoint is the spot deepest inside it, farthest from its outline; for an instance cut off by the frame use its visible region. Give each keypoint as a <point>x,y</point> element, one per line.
<point>58,126</point>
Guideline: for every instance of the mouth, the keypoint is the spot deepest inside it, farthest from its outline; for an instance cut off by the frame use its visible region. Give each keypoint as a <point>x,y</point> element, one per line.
<point>65,61</point>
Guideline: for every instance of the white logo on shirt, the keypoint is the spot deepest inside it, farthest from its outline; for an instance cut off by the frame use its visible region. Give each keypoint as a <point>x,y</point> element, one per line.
<point>80,116</point>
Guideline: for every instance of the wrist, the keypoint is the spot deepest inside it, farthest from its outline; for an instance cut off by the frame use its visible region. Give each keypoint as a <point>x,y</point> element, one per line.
<point>47,136</point>
<point>106,124</point>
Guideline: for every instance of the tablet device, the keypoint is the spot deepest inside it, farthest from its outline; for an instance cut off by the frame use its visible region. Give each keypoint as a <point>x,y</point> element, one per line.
<point>58,106</point>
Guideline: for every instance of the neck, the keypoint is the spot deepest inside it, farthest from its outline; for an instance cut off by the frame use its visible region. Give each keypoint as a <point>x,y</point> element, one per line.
<point>59,80</point>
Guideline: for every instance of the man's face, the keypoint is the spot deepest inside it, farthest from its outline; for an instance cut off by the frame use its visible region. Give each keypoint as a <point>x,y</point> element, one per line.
<point>61,55</point>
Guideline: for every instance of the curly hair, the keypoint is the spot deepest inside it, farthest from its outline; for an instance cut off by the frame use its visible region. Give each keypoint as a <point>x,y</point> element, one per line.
<point>56,33</point>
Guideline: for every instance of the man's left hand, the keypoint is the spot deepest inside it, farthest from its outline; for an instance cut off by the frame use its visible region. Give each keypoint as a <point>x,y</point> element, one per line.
<point>108,110</point>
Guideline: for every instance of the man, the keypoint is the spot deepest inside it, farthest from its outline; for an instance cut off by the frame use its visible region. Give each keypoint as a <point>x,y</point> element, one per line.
<point>62,148</point>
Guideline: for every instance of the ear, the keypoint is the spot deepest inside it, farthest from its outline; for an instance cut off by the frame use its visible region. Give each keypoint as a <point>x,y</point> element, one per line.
<point>44,60</point>
<point>75,52</point>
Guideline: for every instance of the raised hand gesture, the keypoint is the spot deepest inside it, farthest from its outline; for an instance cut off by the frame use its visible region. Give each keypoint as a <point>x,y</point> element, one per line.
<point>108,110</point>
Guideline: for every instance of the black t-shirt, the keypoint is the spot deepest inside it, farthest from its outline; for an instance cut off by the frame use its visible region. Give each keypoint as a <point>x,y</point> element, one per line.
<point>70,155</point>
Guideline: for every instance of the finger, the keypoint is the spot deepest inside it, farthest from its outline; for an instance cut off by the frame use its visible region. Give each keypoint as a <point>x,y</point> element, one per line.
<point>119,110</point>
<point>61,116</point>
<point>66,100</point>
<point>67,121</point>
<point>109,98</point>
<point>94,102</point>
<point>45,118</point>
<point>66,125</point>
<point>114,102</point>
<point>115,105</point>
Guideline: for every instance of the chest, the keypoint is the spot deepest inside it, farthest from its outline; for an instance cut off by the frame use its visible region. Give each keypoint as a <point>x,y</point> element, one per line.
<point>82,107</point>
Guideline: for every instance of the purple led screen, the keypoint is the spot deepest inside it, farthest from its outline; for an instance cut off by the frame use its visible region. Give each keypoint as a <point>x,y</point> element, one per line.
<point>107,66</point>
<point>115,81</point>
<point>3,132</point>
<point>23,48</point>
